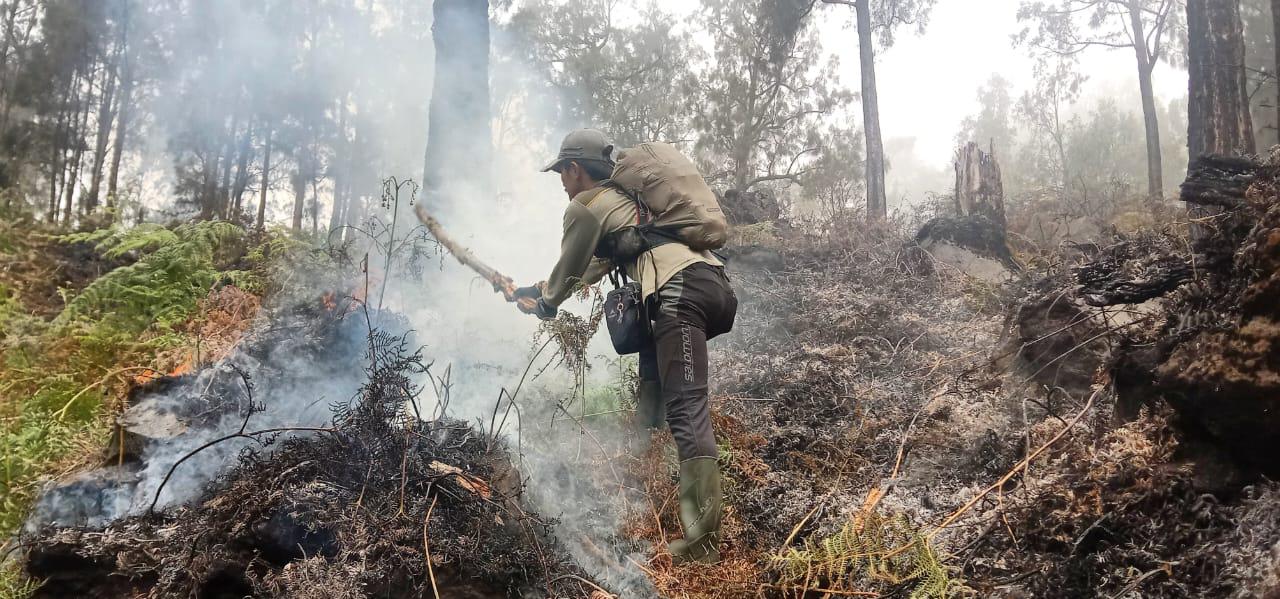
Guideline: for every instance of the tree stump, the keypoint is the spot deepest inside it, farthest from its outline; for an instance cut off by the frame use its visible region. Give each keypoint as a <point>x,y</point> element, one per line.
<point>974,240</point>
<point>979,188</point>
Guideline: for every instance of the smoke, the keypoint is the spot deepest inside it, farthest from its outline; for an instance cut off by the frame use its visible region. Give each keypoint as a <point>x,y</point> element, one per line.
<point>299,361</point>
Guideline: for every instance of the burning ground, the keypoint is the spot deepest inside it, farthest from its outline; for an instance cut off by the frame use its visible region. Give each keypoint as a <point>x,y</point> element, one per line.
<point>1094,425</point>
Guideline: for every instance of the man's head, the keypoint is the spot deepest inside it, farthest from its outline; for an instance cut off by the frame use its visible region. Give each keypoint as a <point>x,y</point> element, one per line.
<point>586,157</point>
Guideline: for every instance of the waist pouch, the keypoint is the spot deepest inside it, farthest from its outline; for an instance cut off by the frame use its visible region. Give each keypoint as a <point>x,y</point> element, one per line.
<point>627,319</point>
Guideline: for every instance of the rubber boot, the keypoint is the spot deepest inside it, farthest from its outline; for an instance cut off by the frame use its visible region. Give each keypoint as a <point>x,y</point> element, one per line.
<point>701,507</point>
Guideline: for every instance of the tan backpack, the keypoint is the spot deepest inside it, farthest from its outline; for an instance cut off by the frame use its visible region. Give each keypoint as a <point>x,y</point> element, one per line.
<point>680,203</point>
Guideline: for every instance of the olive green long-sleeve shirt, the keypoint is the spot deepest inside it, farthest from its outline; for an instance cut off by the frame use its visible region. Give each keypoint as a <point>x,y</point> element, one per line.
<point>590,216</point>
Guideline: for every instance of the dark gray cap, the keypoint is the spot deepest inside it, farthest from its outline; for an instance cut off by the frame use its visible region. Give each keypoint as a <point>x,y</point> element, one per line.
<point>583,144</point>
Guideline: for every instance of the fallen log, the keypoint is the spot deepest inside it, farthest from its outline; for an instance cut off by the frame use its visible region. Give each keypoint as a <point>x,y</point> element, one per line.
<point>501,283</point>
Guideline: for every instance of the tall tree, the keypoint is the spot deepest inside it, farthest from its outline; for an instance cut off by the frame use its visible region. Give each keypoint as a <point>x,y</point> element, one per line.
<point>992,127</point>
<point>1218,116</point>
<point>1043,108</point>
<point>764,99</point>
<point>1218,107</point>
<point>265,183</point>
<point>458,135</point>
<point>1147,27</point>
<point>882,18</point>
<point>632,80</point>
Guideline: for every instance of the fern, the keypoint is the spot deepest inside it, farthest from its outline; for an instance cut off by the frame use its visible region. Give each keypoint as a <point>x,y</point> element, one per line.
<point>175,269</point>
<point>121,319</point>
<point>869,550</point>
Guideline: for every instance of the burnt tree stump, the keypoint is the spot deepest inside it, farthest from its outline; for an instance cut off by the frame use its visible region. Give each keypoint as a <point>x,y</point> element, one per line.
<point>979,188</point>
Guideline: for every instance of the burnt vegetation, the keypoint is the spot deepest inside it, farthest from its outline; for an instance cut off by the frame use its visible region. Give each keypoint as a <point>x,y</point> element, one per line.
<point>383,503</point>
<point>233,363</point>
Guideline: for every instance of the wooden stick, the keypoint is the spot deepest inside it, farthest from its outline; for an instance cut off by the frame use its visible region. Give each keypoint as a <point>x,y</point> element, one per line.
<point>501,283</point>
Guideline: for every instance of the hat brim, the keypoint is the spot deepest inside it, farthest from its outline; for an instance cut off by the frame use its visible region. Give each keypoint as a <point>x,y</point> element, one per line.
<point>555,165</point>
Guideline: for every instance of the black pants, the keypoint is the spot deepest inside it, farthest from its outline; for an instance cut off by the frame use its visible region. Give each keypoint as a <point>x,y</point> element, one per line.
<point>697,304</point>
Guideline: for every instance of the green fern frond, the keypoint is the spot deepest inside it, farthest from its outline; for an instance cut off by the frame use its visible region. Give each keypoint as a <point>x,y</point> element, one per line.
<point>176,268</point>
<point>870,551</point>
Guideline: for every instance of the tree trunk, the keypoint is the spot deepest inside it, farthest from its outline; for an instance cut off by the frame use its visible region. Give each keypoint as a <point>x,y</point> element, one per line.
<point>342,167</point>
<point>226,159</point>
<point>242,172</point>
<point>106,115</point>
<point>266,181</point>
<point>877,205</point>
<point>9,44</point>
<point>1275,42</point>
<point>315,207</point>
<point>55,166</point>
<point>299,183</point>
<point>117,151</point>
<point>77,157</point>
<point>458,134</point>
<point>208,198</point>
<point>1155,170</point>
<point>122,113</point>
<point>68,114</point>
<point>1218,105</point>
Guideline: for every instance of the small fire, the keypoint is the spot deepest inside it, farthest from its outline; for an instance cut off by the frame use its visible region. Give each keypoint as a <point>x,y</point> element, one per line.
<point>150,374</point>
<point>182,368</point>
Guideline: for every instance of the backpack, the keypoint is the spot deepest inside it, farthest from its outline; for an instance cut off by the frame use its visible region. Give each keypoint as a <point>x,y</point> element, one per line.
<point>668,187</point>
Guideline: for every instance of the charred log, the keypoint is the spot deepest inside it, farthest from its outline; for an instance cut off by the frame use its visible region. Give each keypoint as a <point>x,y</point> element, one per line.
<point>1129,273</point>
<point>1218,181</point>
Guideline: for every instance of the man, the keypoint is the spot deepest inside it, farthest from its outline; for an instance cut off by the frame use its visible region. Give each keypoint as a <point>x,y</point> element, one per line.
<point>690,302</point>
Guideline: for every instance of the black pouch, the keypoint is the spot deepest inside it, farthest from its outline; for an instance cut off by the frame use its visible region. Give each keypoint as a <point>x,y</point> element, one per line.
<point>627,318</point>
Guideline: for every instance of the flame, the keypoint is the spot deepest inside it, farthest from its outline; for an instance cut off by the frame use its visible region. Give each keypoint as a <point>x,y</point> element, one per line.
<point>182,368</point>
<point>150,375</point>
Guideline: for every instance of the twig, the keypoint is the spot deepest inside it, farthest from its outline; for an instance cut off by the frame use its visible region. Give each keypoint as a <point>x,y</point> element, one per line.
<point>251,436</point>
<point>1137,581</point>
<point>1014,471</point>
<point>63,412</point>
<point>795,531</point>
<point>426,547</point>
<point>583,581</point>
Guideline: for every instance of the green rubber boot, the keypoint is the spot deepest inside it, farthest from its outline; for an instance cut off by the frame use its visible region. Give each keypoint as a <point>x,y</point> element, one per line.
<point>701,507</point>
<point>651,411</point>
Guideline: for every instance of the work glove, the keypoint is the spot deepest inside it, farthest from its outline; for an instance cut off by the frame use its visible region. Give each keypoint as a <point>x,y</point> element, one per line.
<point>541,309</point>
<point>532,292</point>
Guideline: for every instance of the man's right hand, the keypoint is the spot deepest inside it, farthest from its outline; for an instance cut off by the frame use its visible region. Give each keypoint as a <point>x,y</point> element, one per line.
<point>532,292</point>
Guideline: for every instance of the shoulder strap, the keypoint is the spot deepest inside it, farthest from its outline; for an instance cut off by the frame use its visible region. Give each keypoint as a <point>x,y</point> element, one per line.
<point>618,276</point>
<point>644,215</point>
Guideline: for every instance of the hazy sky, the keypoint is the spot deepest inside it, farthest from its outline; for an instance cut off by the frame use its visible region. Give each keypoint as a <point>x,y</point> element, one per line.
<point>928,83</point>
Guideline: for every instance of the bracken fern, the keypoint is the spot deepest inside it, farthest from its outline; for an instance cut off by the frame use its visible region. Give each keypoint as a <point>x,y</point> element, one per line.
<point>174,270</point>
<point>869,550</point>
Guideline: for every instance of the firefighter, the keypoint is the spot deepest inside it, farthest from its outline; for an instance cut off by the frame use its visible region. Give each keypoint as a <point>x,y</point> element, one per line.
<point>690,301</point>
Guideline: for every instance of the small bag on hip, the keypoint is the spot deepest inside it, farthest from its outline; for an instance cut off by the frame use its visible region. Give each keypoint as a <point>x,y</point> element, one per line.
<point>626,316</point>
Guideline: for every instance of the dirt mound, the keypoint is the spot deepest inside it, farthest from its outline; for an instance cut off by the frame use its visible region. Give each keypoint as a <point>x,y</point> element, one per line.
<point>382,503</point>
